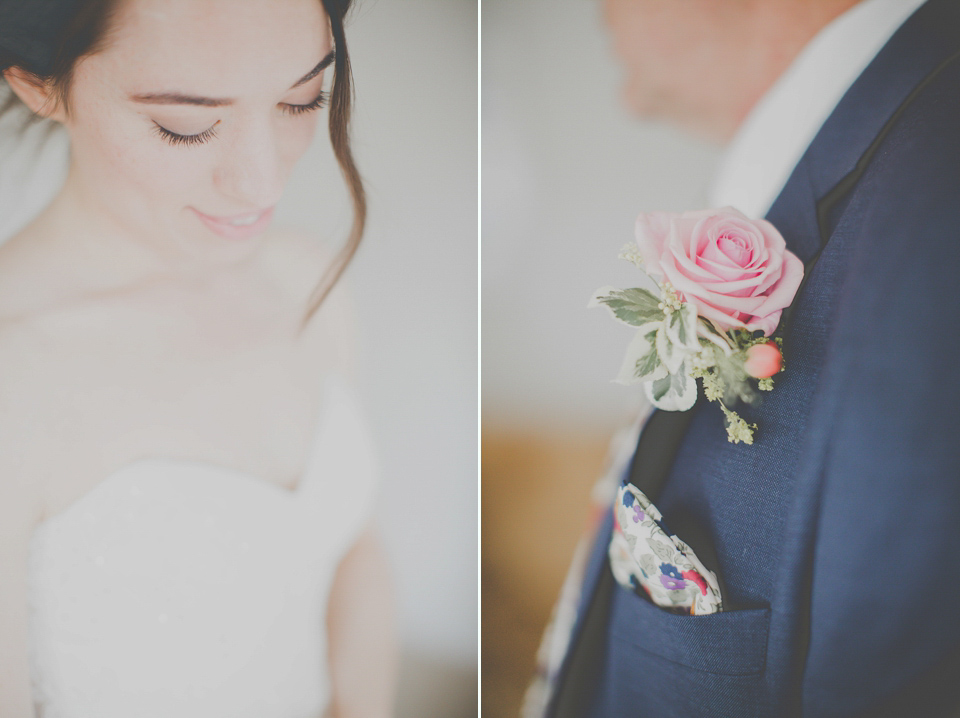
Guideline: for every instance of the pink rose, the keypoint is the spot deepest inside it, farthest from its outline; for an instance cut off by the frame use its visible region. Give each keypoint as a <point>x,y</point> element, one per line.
<point>737,271</point>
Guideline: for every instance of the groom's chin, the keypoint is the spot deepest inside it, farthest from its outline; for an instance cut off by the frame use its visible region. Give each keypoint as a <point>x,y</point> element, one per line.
<point>663,108</point>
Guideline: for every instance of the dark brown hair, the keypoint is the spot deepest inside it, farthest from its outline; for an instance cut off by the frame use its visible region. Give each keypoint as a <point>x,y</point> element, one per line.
<point>87,32</point>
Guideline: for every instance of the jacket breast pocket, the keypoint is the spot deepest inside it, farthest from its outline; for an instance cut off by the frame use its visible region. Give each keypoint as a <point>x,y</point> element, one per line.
<point>664,664</point>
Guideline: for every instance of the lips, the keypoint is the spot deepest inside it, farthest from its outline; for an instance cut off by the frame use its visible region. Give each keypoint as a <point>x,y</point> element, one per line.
<point>238,226</point>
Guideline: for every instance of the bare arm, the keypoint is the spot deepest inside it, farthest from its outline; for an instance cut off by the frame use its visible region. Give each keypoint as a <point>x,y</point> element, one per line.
<point>361,626</point>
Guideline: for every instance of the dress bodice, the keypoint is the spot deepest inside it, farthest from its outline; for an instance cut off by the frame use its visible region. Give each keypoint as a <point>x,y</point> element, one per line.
<point>181,588</point>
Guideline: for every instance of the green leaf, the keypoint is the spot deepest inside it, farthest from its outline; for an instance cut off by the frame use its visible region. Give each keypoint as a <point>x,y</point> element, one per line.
<point>641,362</point>
<point>647,365</point>
<point>661,387</point>
<point>682,327</point>
<point>635,307</point>
<point>674,392</point>
<point>672,355</point>
<point>707,330</point>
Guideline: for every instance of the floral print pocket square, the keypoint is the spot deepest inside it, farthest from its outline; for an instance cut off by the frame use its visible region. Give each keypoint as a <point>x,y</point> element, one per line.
<point>643,555</point>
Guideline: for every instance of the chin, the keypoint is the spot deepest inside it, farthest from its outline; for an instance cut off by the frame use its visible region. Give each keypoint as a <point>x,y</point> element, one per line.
<point>698,121</point>
<point>647,103</point>
<point>706,128</point>
<point>198,247</point>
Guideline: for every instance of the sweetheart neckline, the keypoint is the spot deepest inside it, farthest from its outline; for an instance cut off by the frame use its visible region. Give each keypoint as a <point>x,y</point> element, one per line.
<point>292,494</point>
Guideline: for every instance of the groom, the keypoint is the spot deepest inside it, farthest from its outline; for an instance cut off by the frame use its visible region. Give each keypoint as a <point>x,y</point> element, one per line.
<point>836,535</point>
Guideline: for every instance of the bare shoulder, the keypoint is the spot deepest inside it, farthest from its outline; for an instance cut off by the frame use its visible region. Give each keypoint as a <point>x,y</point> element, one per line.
<point>296,261</point>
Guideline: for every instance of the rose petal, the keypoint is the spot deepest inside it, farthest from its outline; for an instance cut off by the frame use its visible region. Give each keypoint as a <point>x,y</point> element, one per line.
<point>713,253</point>
<point>687,234</point>
<point>651,230</point>
<point>771,273</point>
<point>734,270</point>
<point>710,304</point>
<point>782,293</point>
<point>746,287</point>
<point>678,251</point>
<point>767,324</point>
<point>736,249</point>
<point>742,228</point>
<point>724,320</point>
<point>773,239</point>
<point>729,274</point>
<point>720,299</point>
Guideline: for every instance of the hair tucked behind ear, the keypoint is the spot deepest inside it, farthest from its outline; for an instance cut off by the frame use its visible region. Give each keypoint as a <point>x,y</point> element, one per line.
<point>341,102</point>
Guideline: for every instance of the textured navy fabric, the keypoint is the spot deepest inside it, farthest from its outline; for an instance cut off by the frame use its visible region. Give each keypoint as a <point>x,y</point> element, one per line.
<point>838,531</point>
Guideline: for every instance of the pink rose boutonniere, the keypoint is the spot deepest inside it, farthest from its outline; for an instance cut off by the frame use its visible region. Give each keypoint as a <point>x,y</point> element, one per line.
<point>722,282</point>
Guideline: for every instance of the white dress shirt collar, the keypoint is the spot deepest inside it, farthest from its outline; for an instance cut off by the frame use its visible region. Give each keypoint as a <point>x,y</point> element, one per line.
<point>772,139</point>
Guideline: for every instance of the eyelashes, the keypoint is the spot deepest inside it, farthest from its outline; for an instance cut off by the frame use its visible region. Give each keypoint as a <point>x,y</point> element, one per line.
<point>200,138</point>
<point>321,101</point>
<point>176,139</point>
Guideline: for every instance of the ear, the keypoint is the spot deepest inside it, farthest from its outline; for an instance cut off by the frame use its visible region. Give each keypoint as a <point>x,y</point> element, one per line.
<point>35,93</point>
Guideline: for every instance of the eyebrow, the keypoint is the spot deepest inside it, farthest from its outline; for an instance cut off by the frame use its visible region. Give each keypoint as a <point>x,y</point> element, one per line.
<point>178,98</point>
<point>321,66</point>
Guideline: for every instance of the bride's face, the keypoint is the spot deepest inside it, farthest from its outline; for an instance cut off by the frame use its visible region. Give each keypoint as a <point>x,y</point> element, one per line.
<point>186,126</point>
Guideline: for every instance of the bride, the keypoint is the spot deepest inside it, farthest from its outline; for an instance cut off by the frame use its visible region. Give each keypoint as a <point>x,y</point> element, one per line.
<point>185,480</point>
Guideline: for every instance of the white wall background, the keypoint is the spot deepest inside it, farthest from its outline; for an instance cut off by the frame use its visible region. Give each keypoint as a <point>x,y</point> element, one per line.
<point>565,172</point>
<point>415,284</point>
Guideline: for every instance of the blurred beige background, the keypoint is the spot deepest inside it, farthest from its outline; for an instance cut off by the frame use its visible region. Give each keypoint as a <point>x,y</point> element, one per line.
<point>415,285</point>
<point>565,171</point>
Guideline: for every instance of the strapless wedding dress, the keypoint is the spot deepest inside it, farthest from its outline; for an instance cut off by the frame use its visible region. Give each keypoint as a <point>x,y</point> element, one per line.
<point>181,589</point>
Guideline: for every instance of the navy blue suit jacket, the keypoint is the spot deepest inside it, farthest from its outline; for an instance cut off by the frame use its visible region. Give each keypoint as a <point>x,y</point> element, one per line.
<point>837,534</point>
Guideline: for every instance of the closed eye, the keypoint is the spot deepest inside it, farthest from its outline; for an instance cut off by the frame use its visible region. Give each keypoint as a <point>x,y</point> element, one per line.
<point>174,138</point>
<point>321,101</point>
<point>177,139</point>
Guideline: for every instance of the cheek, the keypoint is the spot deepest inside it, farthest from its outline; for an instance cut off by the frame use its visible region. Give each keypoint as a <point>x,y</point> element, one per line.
<point>120,158</point>
<point>161,173</point>
<point>134,164</point>
<point>296,136</point>
<point>650,76</point>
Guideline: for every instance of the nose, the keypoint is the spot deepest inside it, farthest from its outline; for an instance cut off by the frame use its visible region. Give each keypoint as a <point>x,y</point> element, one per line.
<point>250,171</point>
